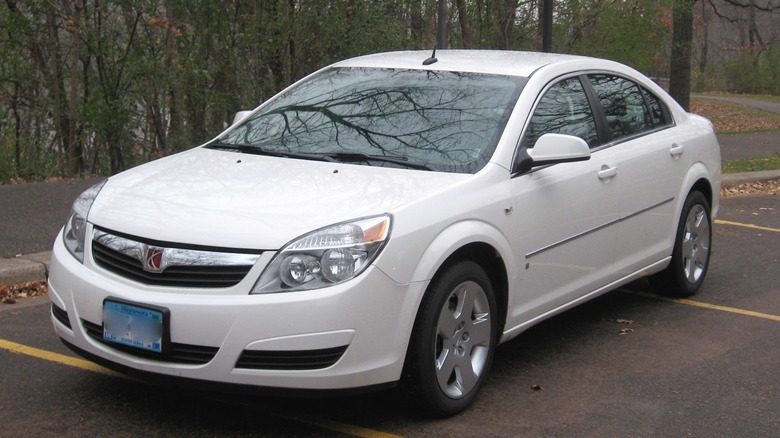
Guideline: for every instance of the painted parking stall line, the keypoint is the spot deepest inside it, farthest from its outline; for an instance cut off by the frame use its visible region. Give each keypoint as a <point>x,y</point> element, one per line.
<point>723,308</point>
<point>51,356</point>
<point>62,359</point>
<point>752,226</point>
<point>704,305</point>
<point>728,309</point>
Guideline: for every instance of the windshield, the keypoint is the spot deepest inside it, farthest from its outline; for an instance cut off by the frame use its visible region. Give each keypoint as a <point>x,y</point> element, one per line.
<point>444,121</point>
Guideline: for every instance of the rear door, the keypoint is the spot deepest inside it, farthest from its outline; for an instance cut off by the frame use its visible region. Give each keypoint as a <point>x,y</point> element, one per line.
<point>651,162</point>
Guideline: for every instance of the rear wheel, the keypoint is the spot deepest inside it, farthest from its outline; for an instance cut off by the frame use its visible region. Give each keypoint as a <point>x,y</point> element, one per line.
<point>453,340</point>
<point>691,253</point>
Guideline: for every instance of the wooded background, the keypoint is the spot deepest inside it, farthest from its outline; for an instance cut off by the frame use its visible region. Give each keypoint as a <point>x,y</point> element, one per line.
<point>97,86</point>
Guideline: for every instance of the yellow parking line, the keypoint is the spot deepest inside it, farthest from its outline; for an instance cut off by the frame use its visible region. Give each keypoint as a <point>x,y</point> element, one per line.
<point>322,423</point>
<point>710,306</point>
<point>727,309</point>
<point>739,224</point>
<point>13,347</point>
<point>335,426</point>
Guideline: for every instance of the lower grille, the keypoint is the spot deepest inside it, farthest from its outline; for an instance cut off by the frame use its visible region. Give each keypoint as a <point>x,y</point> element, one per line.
<point>290,360</point>
<point>60,315</point>
<point>177,353</point>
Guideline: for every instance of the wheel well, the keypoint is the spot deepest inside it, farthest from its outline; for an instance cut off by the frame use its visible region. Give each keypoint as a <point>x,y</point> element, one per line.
<point>490,260</point>
<point>705,188</point>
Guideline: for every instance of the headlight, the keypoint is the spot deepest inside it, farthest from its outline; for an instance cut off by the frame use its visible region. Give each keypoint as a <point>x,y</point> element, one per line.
<point>325,257</point>
<point>75,232</point>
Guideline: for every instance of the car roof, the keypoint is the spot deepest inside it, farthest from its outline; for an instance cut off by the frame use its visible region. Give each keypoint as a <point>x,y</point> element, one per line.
<point>513,63</point>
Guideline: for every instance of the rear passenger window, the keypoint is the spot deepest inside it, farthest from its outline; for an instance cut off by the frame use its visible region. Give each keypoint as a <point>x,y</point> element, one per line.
<point>623,105</point>
<point>563,109</point>
<point>629,108</point>
<point>658,112</point>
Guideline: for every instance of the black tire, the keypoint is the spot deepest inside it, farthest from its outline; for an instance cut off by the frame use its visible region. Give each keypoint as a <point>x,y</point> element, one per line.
<point>691,254</point>
<point>453,340</point>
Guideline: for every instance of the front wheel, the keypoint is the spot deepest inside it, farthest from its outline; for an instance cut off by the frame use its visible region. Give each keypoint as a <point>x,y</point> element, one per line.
<point>453,340</point>
<point>691,253</point>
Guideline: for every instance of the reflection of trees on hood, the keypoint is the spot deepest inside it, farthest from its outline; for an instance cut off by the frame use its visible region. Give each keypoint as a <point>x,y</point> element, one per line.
<point>426,117</point>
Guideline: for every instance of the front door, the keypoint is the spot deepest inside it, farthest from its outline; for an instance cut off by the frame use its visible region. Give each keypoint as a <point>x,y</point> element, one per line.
<point>566,213</point>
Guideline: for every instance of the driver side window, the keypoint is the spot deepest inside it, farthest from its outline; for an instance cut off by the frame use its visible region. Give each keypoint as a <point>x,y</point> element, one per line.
<point>563,109</point>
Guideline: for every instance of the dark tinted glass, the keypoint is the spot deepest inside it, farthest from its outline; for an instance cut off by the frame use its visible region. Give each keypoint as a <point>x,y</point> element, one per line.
<point>657,115</point>
<point>623,105</point>
<point>563,109</point>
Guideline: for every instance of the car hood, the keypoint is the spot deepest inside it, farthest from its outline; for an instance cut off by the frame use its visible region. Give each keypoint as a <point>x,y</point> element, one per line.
<point>232,200</point>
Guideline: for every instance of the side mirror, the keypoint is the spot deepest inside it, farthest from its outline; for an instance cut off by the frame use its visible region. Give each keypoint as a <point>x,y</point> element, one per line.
<point>552,149</point>
<point>241,115</point>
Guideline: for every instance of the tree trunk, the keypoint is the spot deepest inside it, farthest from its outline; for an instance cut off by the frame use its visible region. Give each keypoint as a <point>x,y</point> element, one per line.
<point>77,87</point>
<point>64,125</point>
<point>170,62</point>
<point>682,41</point>
<point>465,27</point>
<point>506,22</point>
<point>703,58</point>
<point>17,129</point>
<point>429,24</point>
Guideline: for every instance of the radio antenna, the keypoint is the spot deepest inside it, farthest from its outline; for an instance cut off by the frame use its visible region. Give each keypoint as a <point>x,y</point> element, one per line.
<point>432,59</point>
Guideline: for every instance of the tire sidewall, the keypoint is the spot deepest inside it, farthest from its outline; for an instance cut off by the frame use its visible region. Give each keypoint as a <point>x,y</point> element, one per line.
<point>677,273</point>
<point>419,370</point>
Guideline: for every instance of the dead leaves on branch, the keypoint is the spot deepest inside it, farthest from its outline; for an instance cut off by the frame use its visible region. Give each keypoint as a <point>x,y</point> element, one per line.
<point>12,293</point>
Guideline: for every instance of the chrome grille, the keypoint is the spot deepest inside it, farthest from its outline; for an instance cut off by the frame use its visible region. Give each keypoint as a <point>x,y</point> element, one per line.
<point>176,267</point>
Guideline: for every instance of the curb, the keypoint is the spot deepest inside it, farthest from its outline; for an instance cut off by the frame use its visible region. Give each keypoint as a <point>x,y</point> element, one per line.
<point>24,268</point>
<point>739,178</point>
<point>35,267</point>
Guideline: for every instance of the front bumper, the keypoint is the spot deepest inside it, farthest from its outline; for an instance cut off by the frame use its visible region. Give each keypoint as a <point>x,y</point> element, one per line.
<point>364,325</point>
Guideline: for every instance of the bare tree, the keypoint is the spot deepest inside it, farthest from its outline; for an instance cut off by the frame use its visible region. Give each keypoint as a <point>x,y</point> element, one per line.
<point>682,42</point>
<point>465,27</point>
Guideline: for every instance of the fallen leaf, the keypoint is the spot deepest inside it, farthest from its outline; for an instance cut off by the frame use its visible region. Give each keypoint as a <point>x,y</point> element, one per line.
<point>751,188</point>
<point>10,293</point>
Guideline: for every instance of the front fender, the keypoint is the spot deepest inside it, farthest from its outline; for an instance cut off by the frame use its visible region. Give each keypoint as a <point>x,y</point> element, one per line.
<point>417,256</point>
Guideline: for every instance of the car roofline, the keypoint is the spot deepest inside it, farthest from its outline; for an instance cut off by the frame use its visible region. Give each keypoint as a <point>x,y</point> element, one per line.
<point>506,62</point>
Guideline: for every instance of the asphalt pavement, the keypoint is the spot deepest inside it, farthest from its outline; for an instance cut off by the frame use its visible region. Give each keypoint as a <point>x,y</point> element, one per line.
<point>31,216</point>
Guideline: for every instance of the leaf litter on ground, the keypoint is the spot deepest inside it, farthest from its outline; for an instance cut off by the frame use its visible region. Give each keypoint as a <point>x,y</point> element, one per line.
<point>10,294</point>
<point>751,188</point>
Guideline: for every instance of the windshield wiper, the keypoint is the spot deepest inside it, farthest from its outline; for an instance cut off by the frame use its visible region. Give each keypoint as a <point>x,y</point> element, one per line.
<point>329,157</point>
<point>257,150</point>
<point>357,156</point>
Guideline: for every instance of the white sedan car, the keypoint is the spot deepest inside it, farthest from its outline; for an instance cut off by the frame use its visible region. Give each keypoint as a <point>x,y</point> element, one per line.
<point>390,218</point>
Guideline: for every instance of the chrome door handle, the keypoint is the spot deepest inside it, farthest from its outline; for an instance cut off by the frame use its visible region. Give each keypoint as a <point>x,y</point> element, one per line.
<point>607,172</point>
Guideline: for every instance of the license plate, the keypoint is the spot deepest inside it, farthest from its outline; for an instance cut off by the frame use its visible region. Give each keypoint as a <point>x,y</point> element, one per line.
<point>134,326</point>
